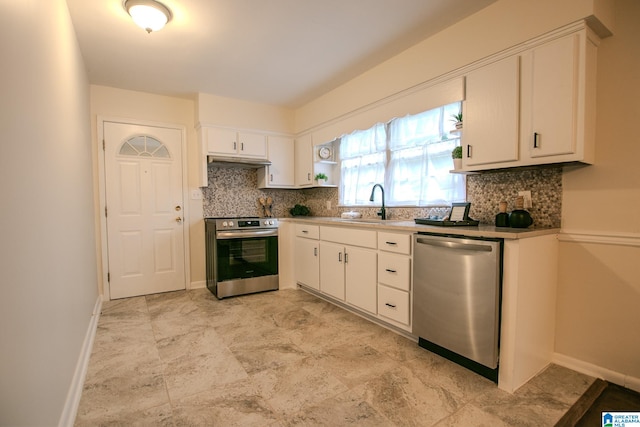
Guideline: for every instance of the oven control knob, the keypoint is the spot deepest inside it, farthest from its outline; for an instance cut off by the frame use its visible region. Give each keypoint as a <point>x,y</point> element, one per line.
<point>230,223</point>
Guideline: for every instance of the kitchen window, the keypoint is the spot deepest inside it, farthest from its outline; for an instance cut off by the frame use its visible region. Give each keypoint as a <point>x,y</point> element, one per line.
<point>410,156</point>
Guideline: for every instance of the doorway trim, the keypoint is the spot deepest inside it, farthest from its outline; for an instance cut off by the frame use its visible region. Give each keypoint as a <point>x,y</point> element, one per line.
<point>103,266</point>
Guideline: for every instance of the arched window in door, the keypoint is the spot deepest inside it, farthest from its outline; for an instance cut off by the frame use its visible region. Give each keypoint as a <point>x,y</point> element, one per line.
<point>144,146</point>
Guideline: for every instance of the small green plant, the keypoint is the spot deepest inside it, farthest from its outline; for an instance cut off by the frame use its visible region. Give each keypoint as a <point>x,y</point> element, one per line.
<point>456,153</point>
<point>457,118</point>
<point>300,210</point>
<point>321,176</point>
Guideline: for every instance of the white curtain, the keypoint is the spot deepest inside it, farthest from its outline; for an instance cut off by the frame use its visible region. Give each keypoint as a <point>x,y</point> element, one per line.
<point>420,159</point>
<point>362,161</point>
<point>411,157</point>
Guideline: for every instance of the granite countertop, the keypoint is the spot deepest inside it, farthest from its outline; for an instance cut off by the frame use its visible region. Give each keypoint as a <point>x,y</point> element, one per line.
<point>411,226</point>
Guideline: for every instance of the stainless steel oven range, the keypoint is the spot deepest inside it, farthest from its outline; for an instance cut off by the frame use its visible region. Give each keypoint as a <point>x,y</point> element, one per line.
<point>242,255</point>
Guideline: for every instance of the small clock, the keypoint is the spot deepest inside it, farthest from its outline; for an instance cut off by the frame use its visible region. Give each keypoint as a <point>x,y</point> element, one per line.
<point>324,153</point>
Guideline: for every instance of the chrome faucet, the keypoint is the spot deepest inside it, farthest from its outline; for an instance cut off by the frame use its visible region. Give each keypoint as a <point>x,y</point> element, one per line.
<point>381,213</point>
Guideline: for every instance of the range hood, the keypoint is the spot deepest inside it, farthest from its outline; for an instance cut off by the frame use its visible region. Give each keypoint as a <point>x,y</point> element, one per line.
<point>238,162</point>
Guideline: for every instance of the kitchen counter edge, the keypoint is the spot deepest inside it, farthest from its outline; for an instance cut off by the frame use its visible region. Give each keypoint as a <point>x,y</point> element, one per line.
<point>411,226</point>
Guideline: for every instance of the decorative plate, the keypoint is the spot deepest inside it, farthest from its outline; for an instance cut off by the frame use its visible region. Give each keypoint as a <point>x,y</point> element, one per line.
<point>324,153</point>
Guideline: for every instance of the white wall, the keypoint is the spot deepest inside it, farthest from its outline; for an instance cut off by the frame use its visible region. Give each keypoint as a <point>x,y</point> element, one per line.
<point>229,112</point>
<point>599,286</point>
<point>48,257</point>
<point>497,27</point>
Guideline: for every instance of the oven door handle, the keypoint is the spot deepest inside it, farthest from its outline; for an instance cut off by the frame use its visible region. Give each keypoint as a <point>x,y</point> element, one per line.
<point>242,234</point>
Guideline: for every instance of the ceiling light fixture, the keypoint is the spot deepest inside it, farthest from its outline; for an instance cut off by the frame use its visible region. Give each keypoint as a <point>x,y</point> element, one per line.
<point>149,15</point>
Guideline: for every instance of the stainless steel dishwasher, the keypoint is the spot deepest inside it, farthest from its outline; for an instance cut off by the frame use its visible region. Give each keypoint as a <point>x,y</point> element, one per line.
<point>456,299</point>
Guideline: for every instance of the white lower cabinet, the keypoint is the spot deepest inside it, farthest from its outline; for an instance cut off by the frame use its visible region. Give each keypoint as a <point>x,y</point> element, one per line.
<point>366,269</point>
<point>360,276</point>
<point>332,269</point>
<point>307,250</point>
<point>394,270</point>
<point>394,278</point>
<point>393,304</point>
<point>347,273</point>
<point>307,266</point>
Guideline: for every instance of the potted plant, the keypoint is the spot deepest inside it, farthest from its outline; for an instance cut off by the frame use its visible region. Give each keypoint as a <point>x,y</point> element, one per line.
<point>456,155</point>
<point>321,178</point>
<point>300,210</point>
<point>457,119</point>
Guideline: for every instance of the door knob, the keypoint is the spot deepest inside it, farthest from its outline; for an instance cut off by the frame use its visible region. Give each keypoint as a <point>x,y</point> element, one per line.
<point>178,208</point>
<point>179,220</point>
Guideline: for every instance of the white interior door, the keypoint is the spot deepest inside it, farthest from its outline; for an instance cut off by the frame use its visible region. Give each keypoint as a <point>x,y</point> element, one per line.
<point>144,201</point>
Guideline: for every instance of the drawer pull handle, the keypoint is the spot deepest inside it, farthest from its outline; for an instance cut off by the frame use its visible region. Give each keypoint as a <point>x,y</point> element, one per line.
<point>305,231</point>
<point>390,270</point>
<point>391,243</point>
<point>389,305</point>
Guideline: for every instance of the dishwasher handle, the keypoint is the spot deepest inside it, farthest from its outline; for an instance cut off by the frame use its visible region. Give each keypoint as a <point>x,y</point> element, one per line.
<point>455,245</point>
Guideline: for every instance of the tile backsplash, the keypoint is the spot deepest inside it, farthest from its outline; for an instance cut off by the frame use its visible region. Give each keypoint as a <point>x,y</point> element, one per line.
<point>234,192</point>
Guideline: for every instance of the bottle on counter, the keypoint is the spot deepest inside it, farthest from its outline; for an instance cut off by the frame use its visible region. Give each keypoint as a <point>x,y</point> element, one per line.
<point>502,219</point>
<point>519,218</point>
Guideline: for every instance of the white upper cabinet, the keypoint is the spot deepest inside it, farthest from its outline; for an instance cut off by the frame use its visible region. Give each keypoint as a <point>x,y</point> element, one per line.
<point>491,114</point>
<point>558,100</point>
<point>280,173</point>
<point>534,107</point>
<point>230,142</point>
<point>304,161</point>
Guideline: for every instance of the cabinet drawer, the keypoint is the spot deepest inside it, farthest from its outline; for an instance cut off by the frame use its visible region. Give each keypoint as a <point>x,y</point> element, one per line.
<point>349,236</point>
<point>394,242</point>
<point>393,304</point>
<point>394,270</point>
<point>308,231</point>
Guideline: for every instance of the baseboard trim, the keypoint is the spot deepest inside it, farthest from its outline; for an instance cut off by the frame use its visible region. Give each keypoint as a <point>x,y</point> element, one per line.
<point>587,368</point>
<point>68,417</point>
<point>198,285</point>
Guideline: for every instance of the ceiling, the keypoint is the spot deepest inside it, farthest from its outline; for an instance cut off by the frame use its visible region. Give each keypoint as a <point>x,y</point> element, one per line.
<point>278,52</point>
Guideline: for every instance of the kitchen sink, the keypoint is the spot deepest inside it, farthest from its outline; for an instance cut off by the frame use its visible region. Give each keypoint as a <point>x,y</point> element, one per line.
<point>379,221</point>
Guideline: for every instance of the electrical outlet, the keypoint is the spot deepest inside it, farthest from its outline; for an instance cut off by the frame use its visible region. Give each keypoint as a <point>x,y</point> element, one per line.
<point>527,198</point>
<point>328,204</point>
<point>196,194</point>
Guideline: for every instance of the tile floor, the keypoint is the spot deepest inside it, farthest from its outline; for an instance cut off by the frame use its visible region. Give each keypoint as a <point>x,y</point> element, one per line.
<point>288,358</point>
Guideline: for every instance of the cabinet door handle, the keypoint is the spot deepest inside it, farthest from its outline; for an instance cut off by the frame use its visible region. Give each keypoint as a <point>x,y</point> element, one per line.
<point>468,150</point>
<point>535,139</point>
<point>308,176</point>
<point>339,256</point>
<point>390,270</point>
<point>242,146</point>
<point>389,305</point>
<point>235,145</point>
<point>391,243</point>
<point>271,177</point>
<point>346,257</point>
<point>315,251</point>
